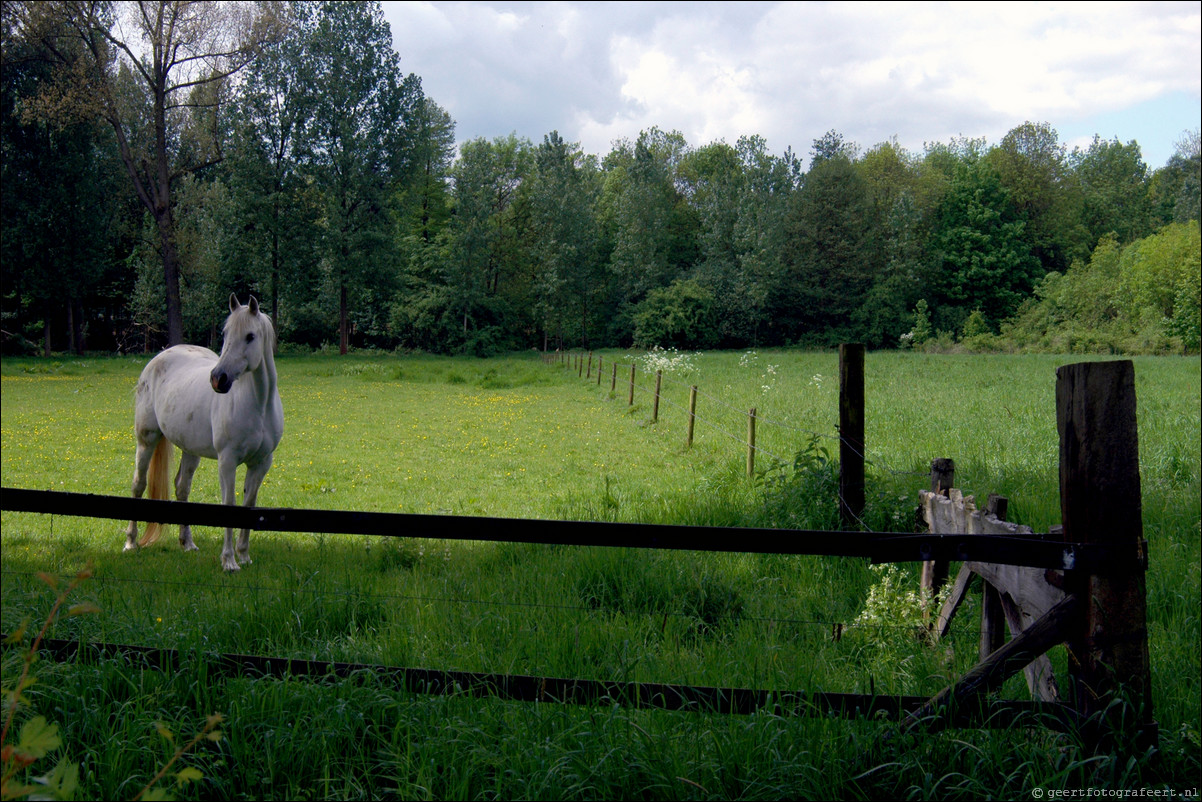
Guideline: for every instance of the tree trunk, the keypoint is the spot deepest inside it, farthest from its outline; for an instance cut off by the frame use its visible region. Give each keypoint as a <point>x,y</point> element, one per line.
<point>46,328</point>
<point>162,206</point>
<point>275,258</point>
<point>71,326</point>
<point>175,315</point>
<point>343,332</point>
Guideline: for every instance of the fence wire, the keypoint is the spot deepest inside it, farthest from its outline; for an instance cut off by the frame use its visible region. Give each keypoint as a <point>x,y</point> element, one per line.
<point>873,458</point>
<point>340,595</point>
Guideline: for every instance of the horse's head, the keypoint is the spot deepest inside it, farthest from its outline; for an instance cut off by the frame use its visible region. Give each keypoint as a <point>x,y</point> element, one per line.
<point>247,341</point>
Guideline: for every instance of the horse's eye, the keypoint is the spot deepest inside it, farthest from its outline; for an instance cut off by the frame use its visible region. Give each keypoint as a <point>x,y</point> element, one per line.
<point>250,338</point>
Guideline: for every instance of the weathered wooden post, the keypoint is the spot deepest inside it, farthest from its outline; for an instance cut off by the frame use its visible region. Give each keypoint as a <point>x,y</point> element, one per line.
<point>851,434</point>
<point>630,400</point>
<point>659,376</point>
<point>993,617</point>
<point>589,373</point>
<point>613,383</point>
<point>688,439</point>
<point>751,443</point>
<point>943,479</point>
<point>580,366</point>
<point>1100,504</point>
<point>600,362</point>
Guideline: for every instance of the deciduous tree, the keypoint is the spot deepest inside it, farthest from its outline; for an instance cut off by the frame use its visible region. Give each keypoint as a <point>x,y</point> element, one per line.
<point>145,67</point>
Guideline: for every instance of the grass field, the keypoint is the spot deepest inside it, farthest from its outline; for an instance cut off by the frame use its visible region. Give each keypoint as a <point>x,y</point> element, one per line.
<point>516,438</point>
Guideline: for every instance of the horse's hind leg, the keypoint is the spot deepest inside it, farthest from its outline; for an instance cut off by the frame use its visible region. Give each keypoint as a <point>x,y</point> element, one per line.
<point>250,493</point>
<point>183,486</point>
<point>145,451</point>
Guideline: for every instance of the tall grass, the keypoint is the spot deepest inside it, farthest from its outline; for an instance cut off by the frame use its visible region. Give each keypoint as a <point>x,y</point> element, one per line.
<point>513,437</point>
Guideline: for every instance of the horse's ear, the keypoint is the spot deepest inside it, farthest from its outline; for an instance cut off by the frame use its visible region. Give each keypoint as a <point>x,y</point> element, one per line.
<point>253,303</point>
<point>234,305</point>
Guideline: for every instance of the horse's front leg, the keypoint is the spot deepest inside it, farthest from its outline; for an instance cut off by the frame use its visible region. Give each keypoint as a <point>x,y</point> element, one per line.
<point>250,493</point>
<point>227,469</point>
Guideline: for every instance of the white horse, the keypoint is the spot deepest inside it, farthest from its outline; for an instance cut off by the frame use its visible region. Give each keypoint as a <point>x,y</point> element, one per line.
<point>225,408</point>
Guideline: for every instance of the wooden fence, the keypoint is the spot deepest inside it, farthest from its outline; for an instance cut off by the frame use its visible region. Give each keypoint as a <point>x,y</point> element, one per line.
<point>1098,559</point>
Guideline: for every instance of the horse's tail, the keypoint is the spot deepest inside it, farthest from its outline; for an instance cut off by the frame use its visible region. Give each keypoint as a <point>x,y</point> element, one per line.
<point>158,485</point>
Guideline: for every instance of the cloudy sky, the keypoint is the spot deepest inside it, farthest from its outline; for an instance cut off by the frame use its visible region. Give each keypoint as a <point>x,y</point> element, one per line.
<point>920,72</point>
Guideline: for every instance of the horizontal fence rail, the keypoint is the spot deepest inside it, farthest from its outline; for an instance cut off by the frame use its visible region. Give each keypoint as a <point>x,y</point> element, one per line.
<point>1035,551</point>
<point>525,688</point>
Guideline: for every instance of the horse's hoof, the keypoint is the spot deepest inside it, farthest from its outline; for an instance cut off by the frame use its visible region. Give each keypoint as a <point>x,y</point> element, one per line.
<point>130,547</point>
<point>189,547</point>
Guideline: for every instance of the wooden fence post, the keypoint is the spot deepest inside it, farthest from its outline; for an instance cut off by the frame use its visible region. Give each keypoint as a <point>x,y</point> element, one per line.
<point>1100,503</point>
<point>659,375</point>
<point>943,479</point>
<point>613,383</point>
<point>993,617</point>
<point>851,434</point>
<point>600,362</point>
<point>751,443</point>
<point>589,374</point>
<point>580,366</point>
<point>688,440</point>
<point>630,400</point>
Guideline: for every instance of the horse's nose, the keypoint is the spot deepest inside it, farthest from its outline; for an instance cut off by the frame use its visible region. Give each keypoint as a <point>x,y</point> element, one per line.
<point>220,381</point>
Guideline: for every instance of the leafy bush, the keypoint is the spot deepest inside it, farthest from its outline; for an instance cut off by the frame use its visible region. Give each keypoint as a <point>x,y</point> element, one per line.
<point>682,315</point>
<point>1141,298</point>
<point>804,495</point>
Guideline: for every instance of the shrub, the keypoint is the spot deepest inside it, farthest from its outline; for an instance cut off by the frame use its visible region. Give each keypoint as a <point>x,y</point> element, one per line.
<point>682,315</point>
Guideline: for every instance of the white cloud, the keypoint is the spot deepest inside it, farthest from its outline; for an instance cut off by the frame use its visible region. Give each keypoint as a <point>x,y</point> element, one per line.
<point>791,71</point>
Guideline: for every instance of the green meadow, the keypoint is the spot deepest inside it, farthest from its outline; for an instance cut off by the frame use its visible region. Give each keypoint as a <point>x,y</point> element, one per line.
<point>514,437</point>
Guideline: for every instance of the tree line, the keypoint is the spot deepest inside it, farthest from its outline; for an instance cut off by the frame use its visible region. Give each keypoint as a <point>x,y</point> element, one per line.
<point>159,155</point>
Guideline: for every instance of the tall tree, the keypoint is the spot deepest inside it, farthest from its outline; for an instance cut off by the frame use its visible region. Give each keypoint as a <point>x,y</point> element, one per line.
<point>357,143</point>
<point>983,258</point>
<point>62,208</point>
<point>654,229</point>
<point>265,171</point>
<point>897,235</point>
<point>1031,163</point>
<point>1176,189</point>
<point>139,66</point>
<point>422,231</point>
<point>565,248</point>
<point>761,235</point>
<point>829,271</point>
<point>484,259</point>
<point>1114,185</point>
<point>424,201</point>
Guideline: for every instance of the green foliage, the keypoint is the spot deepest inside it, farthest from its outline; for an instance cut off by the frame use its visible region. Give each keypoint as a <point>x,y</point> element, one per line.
<point>1142,298</point>
<point>804,495</point>
<point>335,193</point>
<point>829,267</point>
<point>921,332</point>
<point>1113,181</point>
<point>974,325</point>
<point>681,315</point>
<point>1154,270</point>
<point>894,621</point>
<point>38,737</point>
<point>985,258</point>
